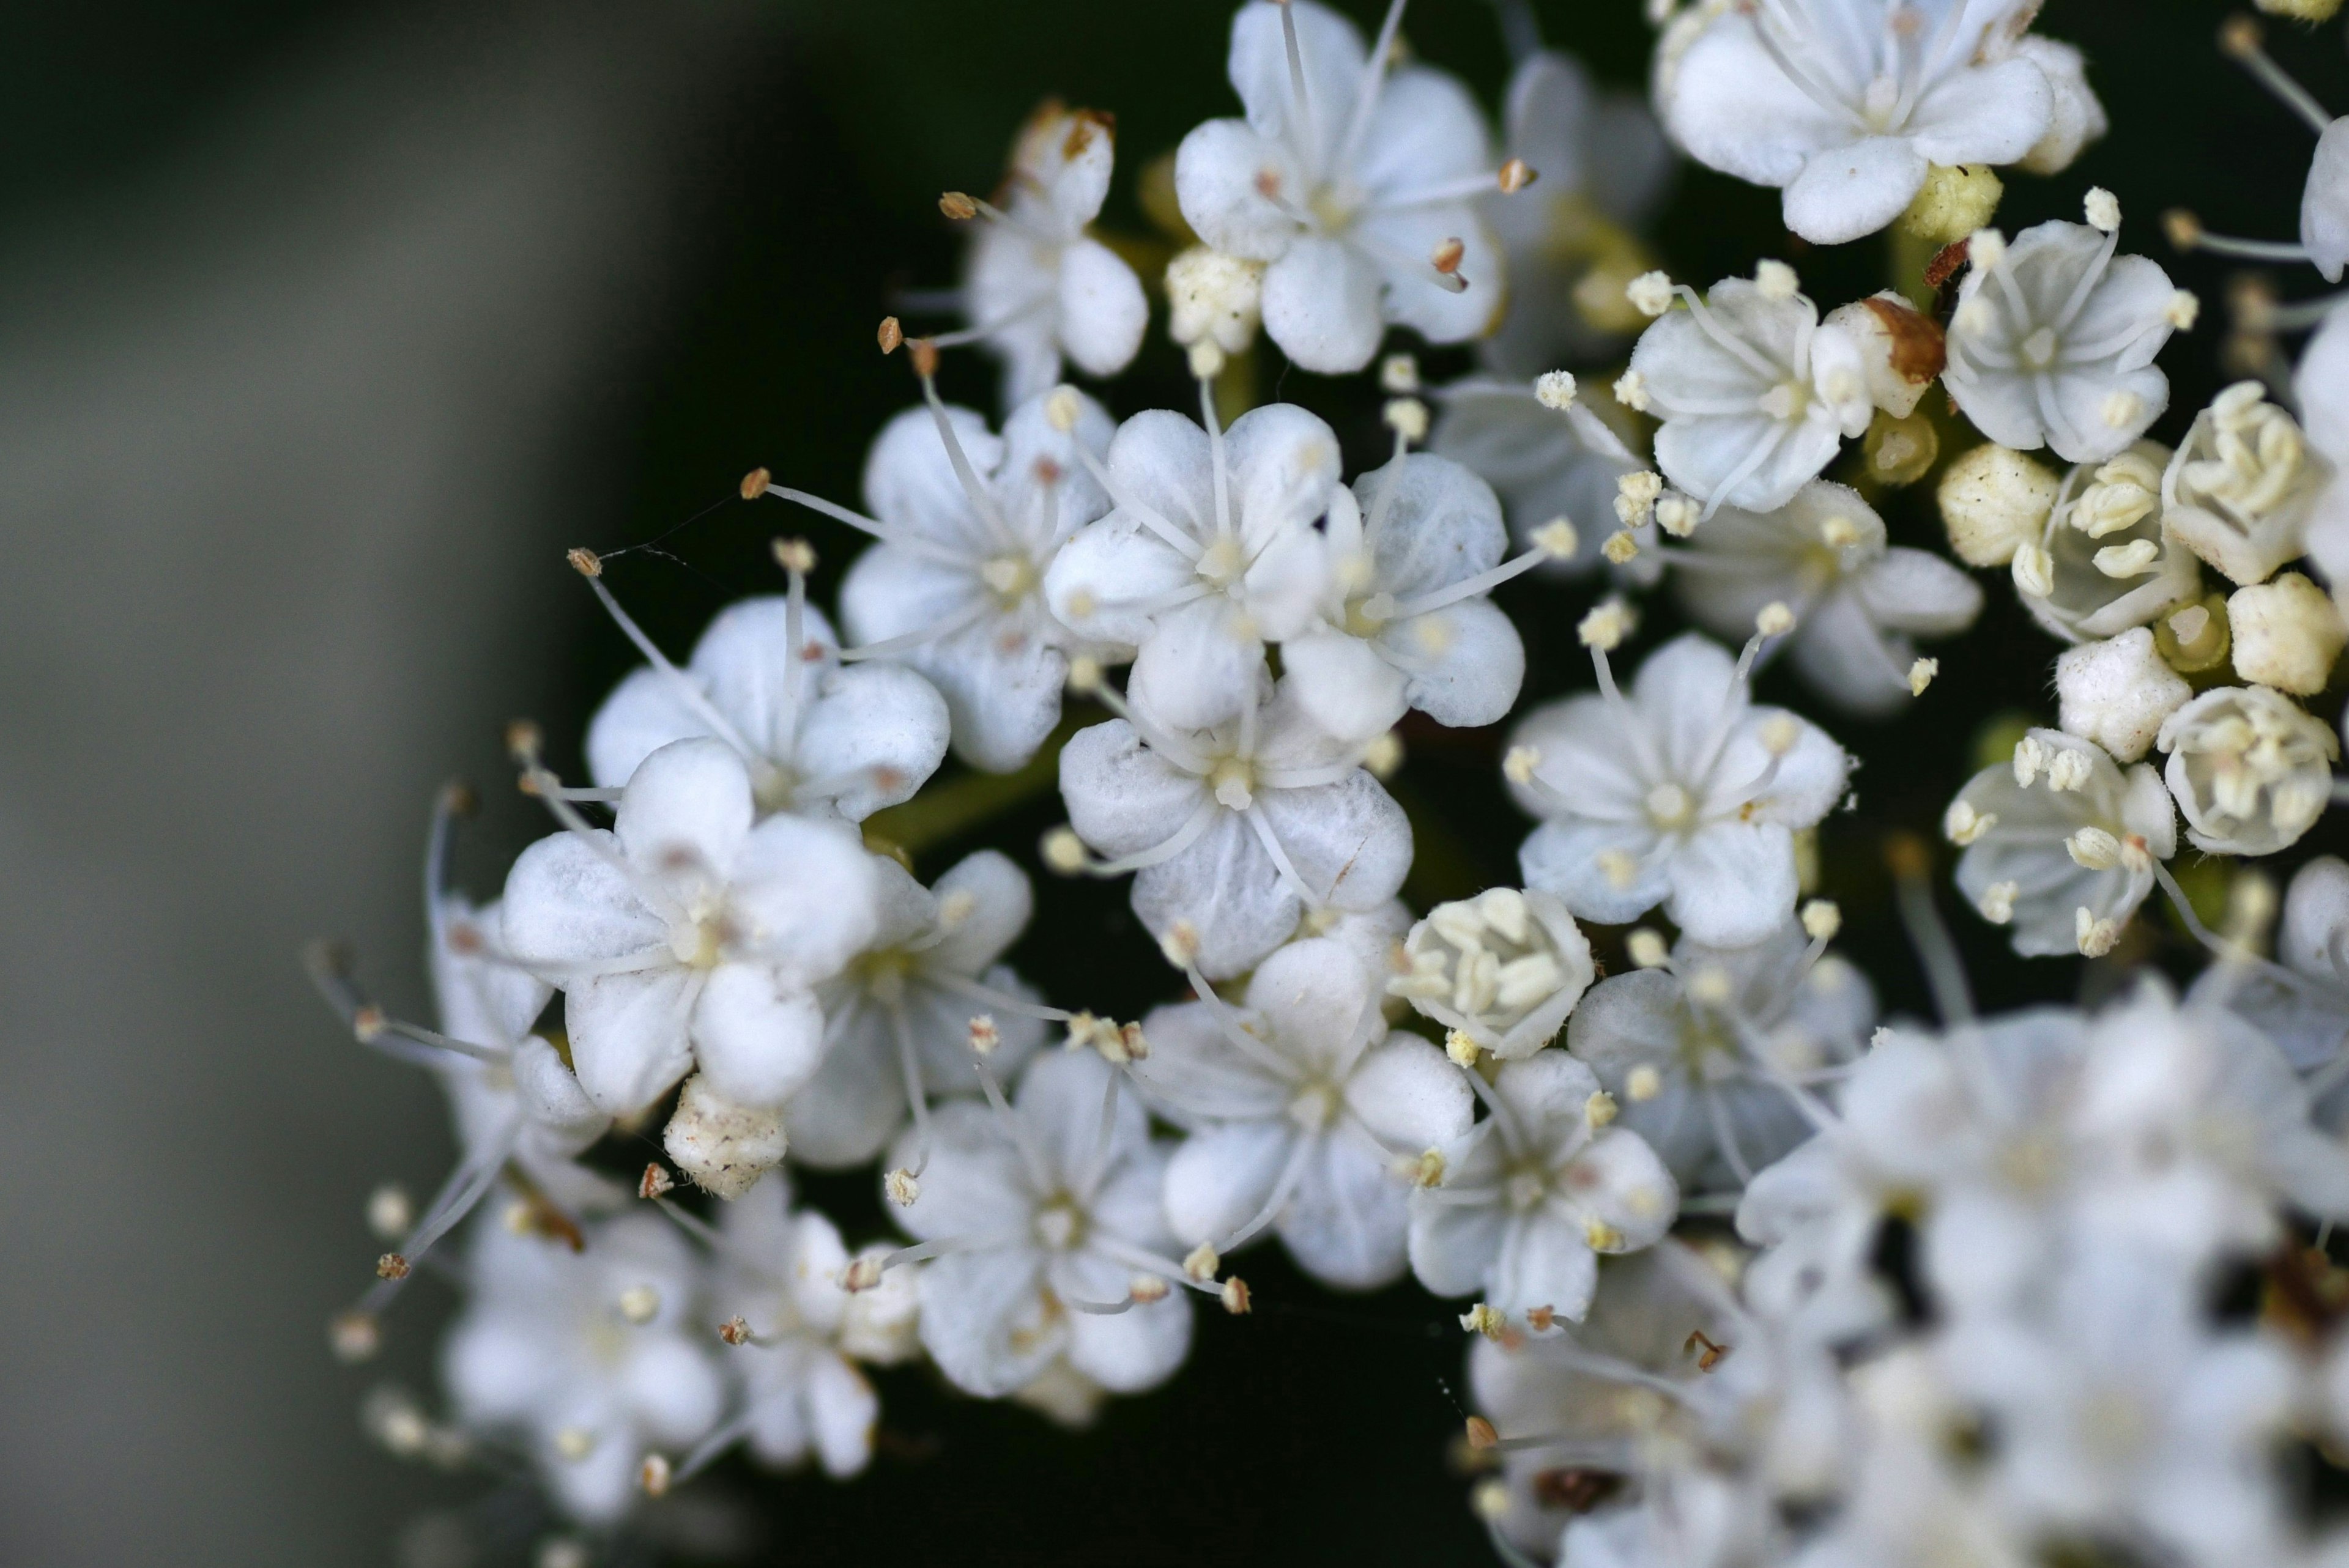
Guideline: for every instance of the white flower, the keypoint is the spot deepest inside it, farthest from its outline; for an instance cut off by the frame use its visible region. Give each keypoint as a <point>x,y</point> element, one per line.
<point>1355,183</point>
<point>1043,1217</point>
<point>1704,1055</point>
<point>2251,770</point>
<point>766,678</point>
<point>969,525</point>
<point>801,1333</point>
<point>1505,968</point>
<point>1602,163</point>
<point>2078,119</point>
<point>1036,284</point>
<point>1413,549</point>
<point>1846,104</point>
<point>590,1359</point>
<point>1685,794</point>
<point>2053,342</point>
<point>897,1020</point>
<point>2242,488</point>
<point>1756,396</point>
<point>685,935</point>
<point>2060,844</point>
<point>1531,1194</point>
<point>1209,553</point>
<point>1856,601</point>
<point>1239,829</point>
<point>1547,464</point>
<point>1297,1106</point>
<point>2117,692</point>
<point>2103,561</point>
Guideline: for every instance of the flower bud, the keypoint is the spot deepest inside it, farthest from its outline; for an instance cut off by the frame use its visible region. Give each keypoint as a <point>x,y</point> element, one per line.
<point>2117,692</point>
<point>2287,634</point>
<point>1994,500</point>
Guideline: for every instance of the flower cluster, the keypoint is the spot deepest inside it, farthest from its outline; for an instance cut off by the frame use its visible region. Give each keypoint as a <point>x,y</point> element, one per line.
<point>1748,1278</point>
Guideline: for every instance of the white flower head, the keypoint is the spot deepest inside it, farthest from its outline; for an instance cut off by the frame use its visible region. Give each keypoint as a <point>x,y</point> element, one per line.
<point>1355,181</point>
<point>1412,548</point>
<point>1549,465</point>
<point>2103,562</point>
<point>1755,393</point>
<point>2053,342</point>
<point>2242,488</point>
<point>2061,843</point>
<point>2250,768</point>
<point>817,736</point>
<point>1683,794</point>
<point>897,1019</point>
<point>1532,1195</point>
<point>1046,1237</point>
<point>590,1358</point>
<point>968,525</point>
<point>1239,829</point>
<point>1037,286</point>
<point>690,933</point>
<point>1299,1105</point>
<point>1709,1054</point>
<point>1505,968</point>
<point>1856,602</point>
<point>1846,104</point>
<point>798,1333</point>
<point>1209,553</point>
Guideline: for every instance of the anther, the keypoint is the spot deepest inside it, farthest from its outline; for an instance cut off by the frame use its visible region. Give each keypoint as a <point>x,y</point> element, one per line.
<point>524,738</point>
<point>391,1265</point>
<point>755,483</point>
<point>1519,765</point>
<point>1555,389</point>
<point>1428,1170</point>
<point>1382,756</point>
<point>1407,417</point>
<point>1236,1296</point>
<point>957,206</point>
<point>1598,1109</point>
<point>1650,294</point>
<point>1481,1435</point>
<point>1180,944</point>
<point>656,1182</point>
<point>1207,359</point>
<point>1557,539</point>
<point>1144,1289</point>
<point>1777,281</point>
<point>1921,674</point>
<point>1062,408</point>
<point>2240,38</point>
<point>1713,1354</point>
<point>1775,620</point>
<point>654,1476</point>
<point>1985,248</point>
<point>984,1035</point>
<point>1647,949</point>
<point>1636,495</point>
<point>1445,259</point>
<point>389,1211</point>
<point>735,1330</point>
<point>1084,675</point>
<point>1399,374</point>
<point>1063,851</point>
<point>1202,1266</point>
<point>1622,547</point>
<point>1462,1048</point>
<point>1516,175</point>
<point>1678,514</point>
<point>1606,626</point>
<point>902,1186</point>
<point>861,1275</point>
<point>640,1304</point>
<point>1482,1319</point>
<point>1643,1083</point>
<point>585,563</point>
<point>2103,210</point>
<point>924,352</point>
<point>795,555</point>
<point>1821,920</point>
<point>354,1336</point>
<point>891,334</point>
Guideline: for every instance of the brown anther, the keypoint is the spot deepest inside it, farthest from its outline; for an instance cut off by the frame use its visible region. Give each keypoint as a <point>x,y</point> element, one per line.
<point>1947,263</point>
<point>585,563</point>
<point>1909,856</point>
<point>1541,1319</point>
<point>1268,184</point>
<point>957,206</point>
<point>654,1475</point>
<point>527,784</point>
<point>458,799</point>
<point>465,938</point>
<point>926,358</point>
<point>755,483</point>
<point>368,1023</point>
<point>1236,1296</point>
<point>2240,38</point>
<point>1516,175</point>
<point>1481,1435</point>
<point>1713,1353</point>
<point>891,334</point>
<point>391,1265</point>
<point>523,740</point>
<point>1130,1035</point>
<point>2182,229</point>
<point>656,1182</point>
<point>735,1330</point>
<point>1446,256</point>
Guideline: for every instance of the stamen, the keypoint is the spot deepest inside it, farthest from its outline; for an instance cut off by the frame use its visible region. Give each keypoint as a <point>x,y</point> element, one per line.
<point>1945,973</point>
<point>686,687</point>
<point>1366,98</point>
<point>2239,40</point>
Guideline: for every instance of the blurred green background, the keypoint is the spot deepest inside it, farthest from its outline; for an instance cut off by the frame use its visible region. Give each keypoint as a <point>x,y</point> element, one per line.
<point>1317,1429</point>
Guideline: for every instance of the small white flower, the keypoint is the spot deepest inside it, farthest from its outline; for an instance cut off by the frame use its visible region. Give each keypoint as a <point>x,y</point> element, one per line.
<point>1684,794</point>
<point>2103,562</point>
<point>1994,500</point>
<point>1535,1191</point>
<point>1547,464</point>
<point>1298,1106</point>
<point>1412,549</point>
<point>1208,554</point>
<point>1704,1052</point>
<point>803,1332</point>
<point>2117,692</point>
<point>1755,393</point>
<point>1036,284</point>
<point>1505,968</point>
<point>1239,829</point>
<point>968,525</point>
<point>2019,823</point>
<point>546,1352</point>
<point>1214,298</point>
<point>1856,602</point>
<point>1355,182</point>
<point>1846,104</point>
<point>2286,634</point>
<point>1039,1217</point>
<point>2251,770</point>
<point>897,1020</point>
<point>766,678</point>
<point>2242,488</point>
<point>686,934</point>
<point>2052,344</point>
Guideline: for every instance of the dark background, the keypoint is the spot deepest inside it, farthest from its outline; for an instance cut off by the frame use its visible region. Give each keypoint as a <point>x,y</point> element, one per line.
<point>323,326</point>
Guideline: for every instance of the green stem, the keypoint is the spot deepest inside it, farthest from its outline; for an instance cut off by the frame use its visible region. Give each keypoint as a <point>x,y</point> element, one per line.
<point>945,812</point>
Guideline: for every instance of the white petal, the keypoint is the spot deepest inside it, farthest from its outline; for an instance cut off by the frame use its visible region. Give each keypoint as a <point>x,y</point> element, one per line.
<point>842,1409</point>
<point>1343,683</point>
<point>690,800</point>
<point>1227,888</point>
<point>1987,114</point>
<point>1321,305</point>
<point>1544,1262</point>
<point>1732,109</point>
<point>1733,882</point>
<point>627,1033</point>
<point>1349,840</point>
<point>1134,1350</point>
<point>645,712</point>
<point>985,1323</point>
<point>1217,171</point>
<point>1400,242</point>
<point>909,480</point>
<point>1410,1094</point>
<point>1467,663</point>
<point>1331,54</point>
<point>880,720</point>
<point>804,899</point>
<point>1569,858</point>
<point>1844,193</point>
<point>1103,311</point>
<point>756,1041</point>
<point>1198,665</point>
<point>1223,1175</point>
<point>1122,796</point>
<point>845,1114</point>
<point>1347,1225</point>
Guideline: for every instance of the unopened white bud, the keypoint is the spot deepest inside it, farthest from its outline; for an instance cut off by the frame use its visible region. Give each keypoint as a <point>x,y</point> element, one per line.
<point>2104,210</point>
<point>1555,389</point>
<point>1994,500</point>
<point>2287,634</point>
<point>1777,281</point>
<point>1821,920</point>
<point>902,1187</point>
<point>1647,949</point>
<point>2117,692</point>
<point>1650,294</point>
<point>1920,676</point>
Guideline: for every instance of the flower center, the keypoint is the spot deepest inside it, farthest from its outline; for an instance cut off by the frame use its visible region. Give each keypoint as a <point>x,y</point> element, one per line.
<point>1527,1186</point>
<point>1877,104</point>
<point>699,939</point>
<point>884,972</point>
<point>1059,1225</point>
<point>1670,807</point>
<point>1315,1107</point>
<point>1223,562</point>
<point>1333,208</point>
<point>1233,782</point>
<point>1787,400</point>
<point>1012,577</point>
<point>772,787</point>
<point>2040,348</point>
